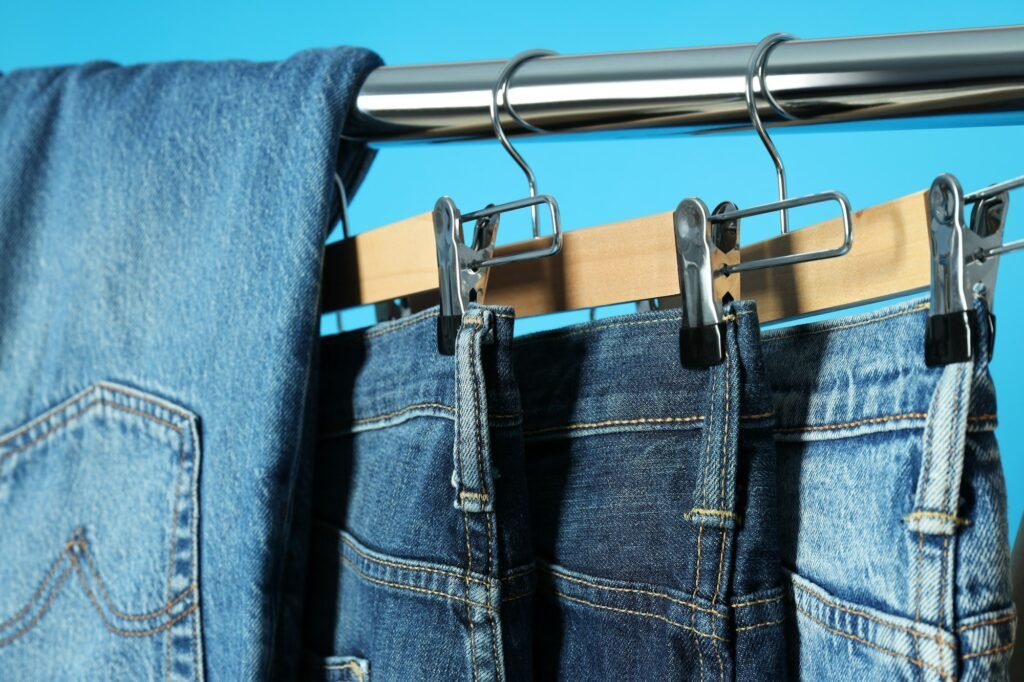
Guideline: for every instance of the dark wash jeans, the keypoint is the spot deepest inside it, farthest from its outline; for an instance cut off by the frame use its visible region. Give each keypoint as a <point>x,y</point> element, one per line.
<point>570,505</point>
<point>892,504</point>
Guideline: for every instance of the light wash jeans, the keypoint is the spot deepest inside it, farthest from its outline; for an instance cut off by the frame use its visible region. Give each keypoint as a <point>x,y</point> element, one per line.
<point>161,241</point>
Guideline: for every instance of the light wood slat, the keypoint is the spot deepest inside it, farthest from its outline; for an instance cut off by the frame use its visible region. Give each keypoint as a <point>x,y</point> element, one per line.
<point>635,259</point>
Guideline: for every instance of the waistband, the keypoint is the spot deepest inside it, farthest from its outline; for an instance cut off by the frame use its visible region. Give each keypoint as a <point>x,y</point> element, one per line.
<point>393,372</point>
<point>864,372</point>
<point>612,375</point>
<point>624,374</point>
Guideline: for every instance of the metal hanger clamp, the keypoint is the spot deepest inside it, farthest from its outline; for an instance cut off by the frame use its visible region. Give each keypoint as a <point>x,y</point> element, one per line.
<point>963,255</point>
<point>707,250</point>
<point>461,269</point>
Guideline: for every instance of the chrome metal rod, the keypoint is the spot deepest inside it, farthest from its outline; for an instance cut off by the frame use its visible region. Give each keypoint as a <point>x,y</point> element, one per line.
<point>943,78</point>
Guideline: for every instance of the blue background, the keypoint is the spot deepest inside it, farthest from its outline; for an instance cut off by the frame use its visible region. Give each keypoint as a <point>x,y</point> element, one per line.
<point>595,181</point>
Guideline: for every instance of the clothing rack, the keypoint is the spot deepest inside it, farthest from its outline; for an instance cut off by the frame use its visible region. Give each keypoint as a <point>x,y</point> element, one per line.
<point>942,78</point>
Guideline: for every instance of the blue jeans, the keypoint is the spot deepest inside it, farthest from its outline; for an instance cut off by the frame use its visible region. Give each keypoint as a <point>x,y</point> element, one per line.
<point>161,240</point>
<point>892,504</point>
<point>571,505</point>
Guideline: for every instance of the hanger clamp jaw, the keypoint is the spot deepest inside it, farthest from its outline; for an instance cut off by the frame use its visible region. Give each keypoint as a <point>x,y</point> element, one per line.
<point>962,256</point>
<point>462,269</point>
<point>704,251</point>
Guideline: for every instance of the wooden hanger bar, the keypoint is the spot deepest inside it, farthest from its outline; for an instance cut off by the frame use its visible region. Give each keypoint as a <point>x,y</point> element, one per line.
<point>635,259</point>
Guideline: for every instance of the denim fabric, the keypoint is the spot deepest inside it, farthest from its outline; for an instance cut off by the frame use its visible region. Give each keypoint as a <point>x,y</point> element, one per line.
<point>421,567</point>
<point>892,504</point>
<point>652,504</point>
<point>161,240</point>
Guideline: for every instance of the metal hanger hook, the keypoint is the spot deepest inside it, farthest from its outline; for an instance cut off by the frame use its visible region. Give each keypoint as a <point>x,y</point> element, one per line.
<point>756,69</point>
<point>501,87</point>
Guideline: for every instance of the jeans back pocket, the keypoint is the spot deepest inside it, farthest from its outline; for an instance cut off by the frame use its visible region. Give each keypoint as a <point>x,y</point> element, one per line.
<point>99,539</point>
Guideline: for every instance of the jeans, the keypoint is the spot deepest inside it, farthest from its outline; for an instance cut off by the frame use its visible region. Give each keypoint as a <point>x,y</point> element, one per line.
<point>652,504</point>
<point>892,504</point>
<point>571,505</point>
<point>161,240</point>
<point>421,567</point>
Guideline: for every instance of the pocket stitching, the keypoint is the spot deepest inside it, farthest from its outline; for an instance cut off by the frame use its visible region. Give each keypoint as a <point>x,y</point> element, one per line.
<point>157,404</point>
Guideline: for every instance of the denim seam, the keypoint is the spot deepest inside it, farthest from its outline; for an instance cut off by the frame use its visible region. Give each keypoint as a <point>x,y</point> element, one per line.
<point>916,661</point>
<point>465,528</point>
<point>409,567</point>
<point>760,625</point>
<point>937,515</point>
<point>42,611</point>
<point>861,614</point>
<point>991,621</point>
<point>645,614</point>
<point>748,604</point>
<point>917,308</point>
<point>476,369</point>
<point>411,588</point>
<point>989,652</point>
<point>40,590</point>
<point>633,590</point>
<point>721,484</point>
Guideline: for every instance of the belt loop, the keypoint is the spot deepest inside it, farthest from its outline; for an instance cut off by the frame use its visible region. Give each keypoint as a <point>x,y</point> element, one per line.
<point>714,500</point>
<point>937,499</point>
<point>472,475</point>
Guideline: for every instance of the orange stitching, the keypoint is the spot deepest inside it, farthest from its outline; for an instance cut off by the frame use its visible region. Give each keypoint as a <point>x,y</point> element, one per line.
<point>42,612</point>
<point>616,422</point>
<point>696,579</point>
<point>405,566</point>
<point>39,591</point>
<point>465,524</point>
<point>119,631</point>
<point>84,545</point>
<point>990,621</point>
<point>635,591</point>
<point>467,495</point>
<point>868,616</point>
<point>762,415</point>
<point>810,332</point>
<point>761,625</point>
<point>767,600</point>
<point>919,663</point>
<point>876,420</point>
<point>411,588</point>
<point>721,482</point>
<point>712,512</point>
<point>989,652</point>
<point>641,613</point>
<point>721,564</point>
<point>938,515</point>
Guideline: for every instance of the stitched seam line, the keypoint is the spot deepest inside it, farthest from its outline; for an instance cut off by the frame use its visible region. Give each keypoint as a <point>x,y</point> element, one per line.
<point>411,588</point>
<point>616,422</point>
<point>919,663</point>
<point>40,589</point>
<point>868,616</point>
<point>826,330</point>
<point>43,611</point>
<point>721,484</point>
<point>61,425</point>
<point>397,413</point>
<point>761,625</point>
<point>767,600</point>
<point>408,567</point>
<point>645,614</point>
<point>875,420</point>
<point>937,515</point>
<point>67,405</point>
<point>84,547</point>
<point>350,665</point>
<point>118,631</point>
<point>991,621</point>
<point>631,590</point>
<point>989,652</point>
